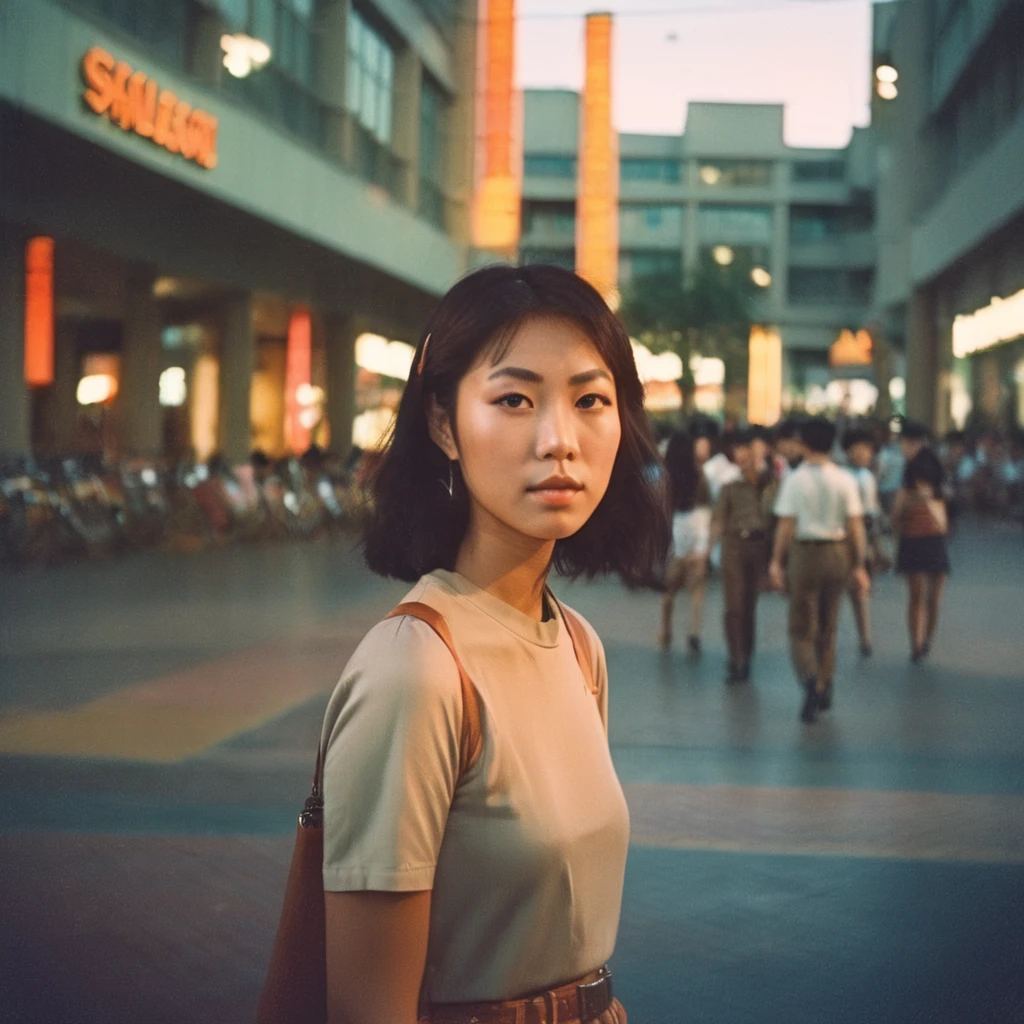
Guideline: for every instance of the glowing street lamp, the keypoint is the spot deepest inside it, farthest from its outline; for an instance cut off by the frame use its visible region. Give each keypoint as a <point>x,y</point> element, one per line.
<point>760,277</point>
<point>723,255</point>
<point>885,81</point>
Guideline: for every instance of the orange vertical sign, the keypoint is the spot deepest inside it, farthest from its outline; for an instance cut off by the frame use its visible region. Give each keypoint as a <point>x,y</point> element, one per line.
<point>496,210</point>
<point>298,370</point>
<point>764,377</point>
<point>597,203</point>
<point>39,312</point>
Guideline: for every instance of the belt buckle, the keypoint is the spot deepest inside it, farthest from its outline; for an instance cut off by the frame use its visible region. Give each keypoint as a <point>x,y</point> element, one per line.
<point>595,997</point>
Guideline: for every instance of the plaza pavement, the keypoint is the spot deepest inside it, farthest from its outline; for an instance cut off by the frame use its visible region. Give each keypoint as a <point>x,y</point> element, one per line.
<point>158,722</point>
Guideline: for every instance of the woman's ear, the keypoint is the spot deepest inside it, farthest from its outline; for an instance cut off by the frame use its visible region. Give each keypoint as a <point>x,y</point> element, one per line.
<point>440,426</point>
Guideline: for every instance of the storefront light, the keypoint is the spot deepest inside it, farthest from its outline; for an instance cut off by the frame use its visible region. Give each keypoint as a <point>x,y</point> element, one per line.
<point>387,358</point>
<point>96,389</point>
<point>1001,320</point>
<point>886,73</point>
<point>243,54</point>
<point>710,175</point>
<point>173,387</point>
<point>760,277</point>
<point>887,90</point>
<point>664,367</point>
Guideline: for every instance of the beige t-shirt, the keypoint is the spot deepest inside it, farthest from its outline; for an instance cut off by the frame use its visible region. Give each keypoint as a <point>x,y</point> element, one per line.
<point>526,856</point>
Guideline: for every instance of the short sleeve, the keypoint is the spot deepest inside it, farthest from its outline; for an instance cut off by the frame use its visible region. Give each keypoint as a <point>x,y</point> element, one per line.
<point>785,503</point>
<point>721,512</point>
<point>851,499</point>
<point>391,762</point>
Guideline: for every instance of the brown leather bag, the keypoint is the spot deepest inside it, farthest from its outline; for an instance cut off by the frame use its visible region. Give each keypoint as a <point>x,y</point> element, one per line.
<point>295,990</point>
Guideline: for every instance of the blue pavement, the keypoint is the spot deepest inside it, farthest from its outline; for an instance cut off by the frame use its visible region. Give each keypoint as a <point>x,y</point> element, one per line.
<point>867,869</point>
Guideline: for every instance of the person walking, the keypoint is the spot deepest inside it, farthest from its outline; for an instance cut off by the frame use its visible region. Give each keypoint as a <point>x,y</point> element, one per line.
<point>482,880</point>
<point>820,526</point>
<point>920,520</point>
<point>859,447</point>
<point>690,502</point>
<point>743,520</point>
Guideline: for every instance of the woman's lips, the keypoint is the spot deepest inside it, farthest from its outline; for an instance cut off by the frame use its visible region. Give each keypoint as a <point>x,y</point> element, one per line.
<point>555,497</point>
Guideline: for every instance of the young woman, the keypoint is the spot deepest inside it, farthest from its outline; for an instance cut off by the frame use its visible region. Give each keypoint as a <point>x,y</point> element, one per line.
<point>920,520</point>
<point>490,891</point>
<point>690,497</point>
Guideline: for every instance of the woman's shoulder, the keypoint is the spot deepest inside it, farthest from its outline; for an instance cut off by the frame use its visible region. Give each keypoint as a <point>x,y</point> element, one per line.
<point>595,648</point>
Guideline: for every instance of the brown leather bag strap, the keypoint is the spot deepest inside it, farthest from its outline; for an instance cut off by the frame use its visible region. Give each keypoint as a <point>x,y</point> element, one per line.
<point>471,740</point>
<point>580,645</point>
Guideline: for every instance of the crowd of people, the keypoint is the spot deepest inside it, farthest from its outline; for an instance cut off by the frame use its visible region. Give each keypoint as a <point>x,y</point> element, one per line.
<point>814,511</point>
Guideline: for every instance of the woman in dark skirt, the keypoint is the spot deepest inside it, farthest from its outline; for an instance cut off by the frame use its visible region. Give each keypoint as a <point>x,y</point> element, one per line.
<point>920,520</point>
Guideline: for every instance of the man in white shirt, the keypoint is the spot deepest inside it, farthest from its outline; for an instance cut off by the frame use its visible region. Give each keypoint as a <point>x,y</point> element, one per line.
<point>820,519</point>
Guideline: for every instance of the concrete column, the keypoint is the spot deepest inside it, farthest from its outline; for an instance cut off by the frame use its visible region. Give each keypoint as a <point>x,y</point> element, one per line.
<point>341,333</point>
<point>406,134</point>
<point>15,406</point>
<point>691,237</point>
<point>237,365</point>
<point>922,358</point>
<point>461,126</point>
<point>65,383</point>
<point>141,360</point>
<point>779,260</point>
<point>330,71</point>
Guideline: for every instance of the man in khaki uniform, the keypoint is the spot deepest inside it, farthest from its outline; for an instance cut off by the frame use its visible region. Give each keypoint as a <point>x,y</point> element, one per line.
<point>821,518</point>
<point>742,520</point>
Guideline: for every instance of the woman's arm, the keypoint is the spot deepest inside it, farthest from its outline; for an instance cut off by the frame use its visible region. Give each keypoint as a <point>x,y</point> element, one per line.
<point>376,955</point>
<point>896,513</point>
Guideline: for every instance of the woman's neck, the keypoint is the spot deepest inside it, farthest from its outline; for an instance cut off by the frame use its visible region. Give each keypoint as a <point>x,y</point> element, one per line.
<point>512,568</point>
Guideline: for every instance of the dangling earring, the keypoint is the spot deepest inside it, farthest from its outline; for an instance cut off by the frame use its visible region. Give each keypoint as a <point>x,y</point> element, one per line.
<point>450,485</point>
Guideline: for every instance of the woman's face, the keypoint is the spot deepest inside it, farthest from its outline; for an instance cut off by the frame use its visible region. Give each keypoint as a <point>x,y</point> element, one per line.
<point>702,450</point>
<point>537,433</point>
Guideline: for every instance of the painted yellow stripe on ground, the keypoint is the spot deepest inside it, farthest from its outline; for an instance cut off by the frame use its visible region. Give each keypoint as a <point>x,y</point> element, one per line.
<point>184,713</point>
<point>829,822</point>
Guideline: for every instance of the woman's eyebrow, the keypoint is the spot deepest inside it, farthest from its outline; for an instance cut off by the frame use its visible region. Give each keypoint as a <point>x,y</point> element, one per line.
<point>519,373</point>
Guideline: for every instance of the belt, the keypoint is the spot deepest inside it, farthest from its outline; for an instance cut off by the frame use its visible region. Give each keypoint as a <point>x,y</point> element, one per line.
<point>819,540</point>
<point>583,1000</point>
<point>752,534</point>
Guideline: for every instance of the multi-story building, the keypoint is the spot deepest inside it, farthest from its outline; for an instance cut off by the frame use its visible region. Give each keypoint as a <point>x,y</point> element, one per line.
<point>727,189</point>
<point>949,118</point>
<point>204,202</point>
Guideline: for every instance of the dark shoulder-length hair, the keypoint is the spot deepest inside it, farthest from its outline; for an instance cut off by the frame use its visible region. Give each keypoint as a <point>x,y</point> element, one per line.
<point>415,527</point>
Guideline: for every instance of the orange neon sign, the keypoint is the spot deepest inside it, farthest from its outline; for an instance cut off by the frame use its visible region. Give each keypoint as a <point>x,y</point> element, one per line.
<point>497,202</point>
<point>39,312</point>
<point>298,369</point>
<point>764,377</point>
<point>597,230</point>
<point>136,103</point>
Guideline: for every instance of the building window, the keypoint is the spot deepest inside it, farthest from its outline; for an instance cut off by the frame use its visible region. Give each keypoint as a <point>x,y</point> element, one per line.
<point>819,223</point>
<point>369,93</point>
<point>433,113</point>
<point>718,222</point>
<point>735,173</point>
<point>161,27</point>
<point>818,170</point>
<point>631,169</point>
<point>564,258</point>
<point>549,218</point>
<point>812,286</point>
<point>664,218</point>
<point>635,264</point>
<point>545,165</point>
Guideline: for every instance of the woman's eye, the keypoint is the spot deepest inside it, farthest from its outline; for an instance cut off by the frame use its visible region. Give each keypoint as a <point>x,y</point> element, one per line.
<point>513,401</point>
<point>591,401</point>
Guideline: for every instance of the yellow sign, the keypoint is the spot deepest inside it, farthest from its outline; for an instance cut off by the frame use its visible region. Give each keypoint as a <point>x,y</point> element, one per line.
<point>1001,320</point>
<point>764,377</point>
<point>851,349</point>
<point>136,103</point>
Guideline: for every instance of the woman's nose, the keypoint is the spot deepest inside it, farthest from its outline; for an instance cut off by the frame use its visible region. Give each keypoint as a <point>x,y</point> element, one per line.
<point>556,436</point>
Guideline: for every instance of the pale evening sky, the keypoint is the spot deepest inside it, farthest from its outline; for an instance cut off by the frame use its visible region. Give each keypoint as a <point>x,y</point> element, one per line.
<point>812,55</point>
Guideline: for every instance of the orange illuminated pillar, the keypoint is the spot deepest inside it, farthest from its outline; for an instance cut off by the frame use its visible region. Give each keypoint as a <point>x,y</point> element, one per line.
<point>39,312</point>
<point>764,377</point>
<point>597,203</point>
<point>496,203</point>
<point>298,371</point>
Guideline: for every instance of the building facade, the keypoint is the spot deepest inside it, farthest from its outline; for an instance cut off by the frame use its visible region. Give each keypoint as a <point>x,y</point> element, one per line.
<point>728,189</point>
<point>203,203</point>
<point>951,205</point>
